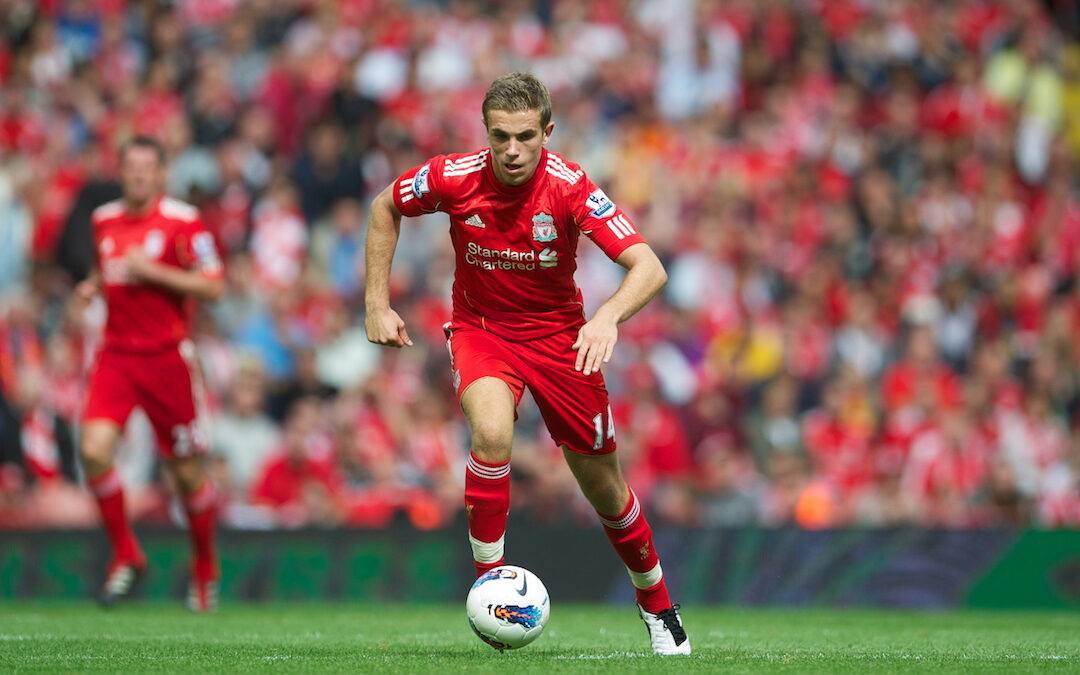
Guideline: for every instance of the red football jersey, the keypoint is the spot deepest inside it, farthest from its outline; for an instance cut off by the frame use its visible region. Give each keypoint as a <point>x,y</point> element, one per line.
<point>516,246</point>
<point>145,317</point>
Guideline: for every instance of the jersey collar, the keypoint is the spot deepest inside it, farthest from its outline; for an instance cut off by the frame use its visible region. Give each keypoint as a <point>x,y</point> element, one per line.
<point>155,204</point>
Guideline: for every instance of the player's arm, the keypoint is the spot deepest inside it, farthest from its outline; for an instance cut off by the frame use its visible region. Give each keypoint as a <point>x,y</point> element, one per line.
<point>645,276</point>
<point>195,282</point>
<point>382,323</point>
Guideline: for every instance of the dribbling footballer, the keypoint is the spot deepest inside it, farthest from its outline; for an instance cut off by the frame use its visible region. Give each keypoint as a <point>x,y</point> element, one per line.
<point>516,213</point>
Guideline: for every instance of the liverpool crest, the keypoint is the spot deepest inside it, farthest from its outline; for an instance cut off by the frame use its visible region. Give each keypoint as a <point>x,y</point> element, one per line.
<point>543,227</point>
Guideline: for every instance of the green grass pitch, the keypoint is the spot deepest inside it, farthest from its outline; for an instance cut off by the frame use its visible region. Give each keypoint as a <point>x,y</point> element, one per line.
<point>579,638</point>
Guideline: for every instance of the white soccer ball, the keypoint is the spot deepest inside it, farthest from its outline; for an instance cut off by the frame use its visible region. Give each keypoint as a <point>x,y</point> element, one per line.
<point>508,607</point>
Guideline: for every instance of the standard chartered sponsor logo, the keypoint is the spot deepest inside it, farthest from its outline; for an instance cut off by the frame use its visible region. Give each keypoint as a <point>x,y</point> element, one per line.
<point>549,258</point>
<point>500,258</point>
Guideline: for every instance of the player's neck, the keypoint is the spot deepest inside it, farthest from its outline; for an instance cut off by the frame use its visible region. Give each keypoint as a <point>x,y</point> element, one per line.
<point>141,207</point>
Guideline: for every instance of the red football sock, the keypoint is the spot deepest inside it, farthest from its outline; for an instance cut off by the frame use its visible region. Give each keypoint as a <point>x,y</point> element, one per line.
<point>487,501</point>
<point>202,517</point>
<point>631,536</point>
<point>109,493</point>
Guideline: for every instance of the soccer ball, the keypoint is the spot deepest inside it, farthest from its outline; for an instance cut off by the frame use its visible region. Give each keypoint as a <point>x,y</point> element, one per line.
<point>508,607</point>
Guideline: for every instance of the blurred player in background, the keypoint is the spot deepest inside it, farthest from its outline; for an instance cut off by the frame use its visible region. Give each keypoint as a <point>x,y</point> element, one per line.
<point>154,254</point>
<point>516,212</point>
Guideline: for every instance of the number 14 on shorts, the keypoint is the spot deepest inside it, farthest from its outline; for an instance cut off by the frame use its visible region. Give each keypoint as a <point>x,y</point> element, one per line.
<point>598,422</point>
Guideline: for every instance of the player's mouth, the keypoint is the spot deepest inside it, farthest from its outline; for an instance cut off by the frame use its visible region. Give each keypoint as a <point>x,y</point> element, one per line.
<point>513,168</point>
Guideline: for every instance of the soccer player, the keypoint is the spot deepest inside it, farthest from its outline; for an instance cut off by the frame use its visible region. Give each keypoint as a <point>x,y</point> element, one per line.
<point>516,212</point>
<point>153,255</point>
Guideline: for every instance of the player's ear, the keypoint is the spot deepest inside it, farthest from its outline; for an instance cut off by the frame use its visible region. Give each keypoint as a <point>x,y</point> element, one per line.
<point>547,132</point>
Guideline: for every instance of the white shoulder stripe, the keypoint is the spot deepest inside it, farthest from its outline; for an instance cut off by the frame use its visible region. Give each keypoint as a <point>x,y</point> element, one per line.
<point>569,178</point>
<point>468,159</point>
<point>561,163</point>
<point>108,210</point>
<point>468,170</point>
<point>174,208</point>
<point>457,167</point>
<point>405,183</point>
<point>406,196</point>
<point>616,230</point>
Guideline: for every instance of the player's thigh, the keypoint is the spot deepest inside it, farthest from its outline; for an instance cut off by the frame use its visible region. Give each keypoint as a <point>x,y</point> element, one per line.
<point>489,389</point>
<point>171,394</point>
<point>490,405</point>
<point>110,398</point>
<point>111,392</point>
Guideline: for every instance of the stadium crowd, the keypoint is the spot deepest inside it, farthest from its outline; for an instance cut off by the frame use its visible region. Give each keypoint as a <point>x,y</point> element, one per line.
<point>868,210</point>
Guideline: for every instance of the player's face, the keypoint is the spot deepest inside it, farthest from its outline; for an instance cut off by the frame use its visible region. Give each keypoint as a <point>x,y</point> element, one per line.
<point>516,139</point>
<point>142,175</point>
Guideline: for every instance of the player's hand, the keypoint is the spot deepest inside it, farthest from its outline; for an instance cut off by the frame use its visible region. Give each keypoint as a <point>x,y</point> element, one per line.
<point>385,327</point>
<point>86,289</point>
<point>139,265</point>
<point>595,344</point>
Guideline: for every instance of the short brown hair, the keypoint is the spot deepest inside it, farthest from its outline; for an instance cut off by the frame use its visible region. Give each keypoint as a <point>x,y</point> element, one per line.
<point>143,142</point>
<point>518,92</point>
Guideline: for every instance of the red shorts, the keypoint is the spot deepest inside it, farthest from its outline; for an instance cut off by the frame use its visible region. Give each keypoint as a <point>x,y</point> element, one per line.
<point>166,385</point>
<point>574,406</point>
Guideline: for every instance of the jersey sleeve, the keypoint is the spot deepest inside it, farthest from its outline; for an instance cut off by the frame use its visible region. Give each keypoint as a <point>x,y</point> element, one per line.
<point>197,250</point>
<point>602,220</point>
<point>419,190</point>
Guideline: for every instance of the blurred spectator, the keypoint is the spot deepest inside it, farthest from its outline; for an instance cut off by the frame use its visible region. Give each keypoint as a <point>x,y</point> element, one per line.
<point>326,172</point>
<point>242,435</point>
<point>344,358</point>
<point>337,248</point>
<point>305,382</point>
<point>299,481</point>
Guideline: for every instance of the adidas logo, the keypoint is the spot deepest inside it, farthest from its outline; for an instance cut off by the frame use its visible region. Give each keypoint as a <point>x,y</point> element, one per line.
<point>475,221</point>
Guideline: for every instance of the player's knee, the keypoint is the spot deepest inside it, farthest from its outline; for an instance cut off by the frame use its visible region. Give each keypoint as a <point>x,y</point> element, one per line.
<point>96,452</point>
<point>492,440</point>
<point>189,473</point>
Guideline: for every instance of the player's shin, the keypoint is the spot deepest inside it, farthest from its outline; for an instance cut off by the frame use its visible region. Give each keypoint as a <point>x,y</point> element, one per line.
<point>108,492</point>
<point>487,502</point>
<point>631,536</point>
<point>201,510</point>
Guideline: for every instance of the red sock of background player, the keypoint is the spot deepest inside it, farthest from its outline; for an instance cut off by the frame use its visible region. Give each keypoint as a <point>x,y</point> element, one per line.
<point>631,536</point>
<point>202,518</point>
<point>487,501</point>
<point>109,493</point>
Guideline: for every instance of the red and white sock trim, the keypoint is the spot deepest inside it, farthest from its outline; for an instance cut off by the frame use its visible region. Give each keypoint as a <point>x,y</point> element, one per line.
<point>631,513</point>
<point>486,471</point>
<point>485,552</point>
<point>646,580</point>
<point>107,484</point>
<point>202,499</point>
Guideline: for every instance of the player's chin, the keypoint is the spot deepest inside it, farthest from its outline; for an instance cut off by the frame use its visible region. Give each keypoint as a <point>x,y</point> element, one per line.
<point>515,173</point>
